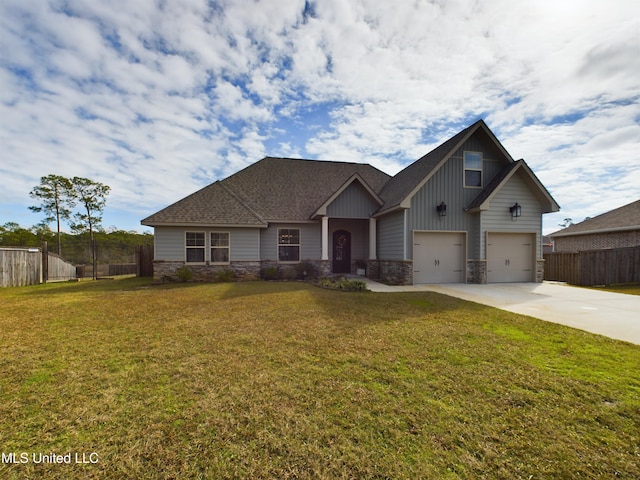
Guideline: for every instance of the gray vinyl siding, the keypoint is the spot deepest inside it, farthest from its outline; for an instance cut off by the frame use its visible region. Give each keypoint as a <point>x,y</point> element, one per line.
<point>447,185</point>
<point>310,240</point>
<point>353,202</point>
<point>170,242</point>
<point>391,236</point>
<point>498,217</point>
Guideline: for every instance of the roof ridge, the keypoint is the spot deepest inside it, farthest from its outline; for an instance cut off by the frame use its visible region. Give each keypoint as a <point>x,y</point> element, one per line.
<point>240,201</point>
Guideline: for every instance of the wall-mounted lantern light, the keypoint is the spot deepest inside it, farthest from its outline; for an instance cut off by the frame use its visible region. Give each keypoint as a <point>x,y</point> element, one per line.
<point>516,210</point>
<point>442,209</point>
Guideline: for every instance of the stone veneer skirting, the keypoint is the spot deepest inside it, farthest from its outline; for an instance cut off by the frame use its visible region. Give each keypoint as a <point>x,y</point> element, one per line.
<point>165,270</point>
<point>393,272</point>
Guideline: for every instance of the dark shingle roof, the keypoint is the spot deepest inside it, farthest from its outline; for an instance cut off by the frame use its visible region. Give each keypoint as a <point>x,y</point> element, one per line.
<point>626,217</point>
<point>273,189</point>
<point>197,209</point>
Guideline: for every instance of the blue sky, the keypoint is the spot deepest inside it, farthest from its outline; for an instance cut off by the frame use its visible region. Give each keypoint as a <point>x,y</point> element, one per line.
<point>159,98</point>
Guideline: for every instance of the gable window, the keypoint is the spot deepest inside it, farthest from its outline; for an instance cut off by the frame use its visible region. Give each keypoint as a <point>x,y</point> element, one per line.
<point>195,247</point>
<point>219,247</point>
<point>472,169</point>
<point>288,245</point>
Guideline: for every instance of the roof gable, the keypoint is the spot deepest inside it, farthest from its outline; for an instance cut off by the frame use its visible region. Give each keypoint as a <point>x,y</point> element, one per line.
<point>284,189</point>
<point>623,218</point>
<point>398,191</point>
<point>483,200</point>
<point>355,179</point>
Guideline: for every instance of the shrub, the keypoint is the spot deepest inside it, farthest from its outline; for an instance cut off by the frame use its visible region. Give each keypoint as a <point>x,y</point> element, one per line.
<point>225,275</point>
<point>306,270</point>
<point>184,273</point>
<point>344,284</point>
<point>270,273</point>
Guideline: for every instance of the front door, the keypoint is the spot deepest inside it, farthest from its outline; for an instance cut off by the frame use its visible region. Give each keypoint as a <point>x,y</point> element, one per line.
<point>341,251</point>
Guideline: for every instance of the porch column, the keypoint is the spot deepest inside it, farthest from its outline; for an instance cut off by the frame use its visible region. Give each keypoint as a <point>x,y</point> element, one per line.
<point>372,239</point>
<point>325,238</point>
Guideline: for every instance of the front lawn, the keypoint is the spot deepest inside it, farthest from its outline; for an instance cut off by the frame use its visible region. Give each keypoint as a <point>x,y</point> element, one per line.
<point>287,380</point>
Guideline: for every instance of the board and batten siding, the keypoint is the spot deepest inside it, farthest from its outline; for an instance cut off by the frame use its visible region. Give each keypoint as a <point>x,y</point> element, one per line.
<point>391,236</point>
<point>447,185</point>
<point>353,202</point>
<point>310,240</point>
<point>170,242</point>
<point>498,218</point>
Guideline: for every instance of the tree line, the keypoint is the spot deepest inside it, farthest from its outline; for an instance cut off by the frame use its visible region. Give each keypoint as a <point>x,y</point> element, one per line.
<point>112,245</point>
<point>80,202</point>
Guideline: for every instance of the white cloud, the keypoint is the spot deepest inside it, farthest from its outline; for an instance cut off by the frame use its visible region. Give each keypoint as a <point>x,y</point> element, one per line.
<point>157,99</point>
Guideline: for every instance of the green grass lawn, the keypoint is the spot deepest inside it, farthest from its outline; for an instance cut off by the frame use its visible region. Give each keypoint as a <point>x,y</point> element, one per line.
<point>286,380</point>
<point>628,289</point>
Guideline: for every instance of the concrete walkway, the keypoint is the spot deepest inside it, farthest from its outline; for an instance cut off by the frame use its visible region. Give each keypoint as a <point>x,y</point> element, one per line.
<point>614,315</point>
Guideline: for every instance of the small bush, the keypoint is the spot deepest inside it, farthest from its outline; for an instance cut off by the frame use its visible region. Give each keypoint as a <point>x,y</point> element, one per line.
<point>184,273</point>
<point>344,284</point>
<point>225,275</point>
<point>271,273</point>
<point>306,270</point>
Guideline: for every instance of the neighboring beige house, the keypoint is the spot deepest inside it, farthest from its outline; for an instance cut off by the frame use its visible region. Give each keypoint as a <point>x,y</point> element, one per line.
<point>464,212</point>
<point>615,229</point>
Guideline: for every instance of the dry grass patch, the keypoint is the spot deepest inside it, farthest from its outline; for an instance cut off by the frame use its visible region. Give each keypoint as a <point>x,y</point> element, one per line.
<point>285,380</point>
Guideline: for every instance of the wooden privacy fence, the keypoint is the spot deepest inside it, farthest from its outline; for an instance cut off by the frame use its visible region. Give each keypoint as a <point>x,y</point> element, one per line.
<point>594,267</point>
<point>144,260</point>
<point>20,266</point>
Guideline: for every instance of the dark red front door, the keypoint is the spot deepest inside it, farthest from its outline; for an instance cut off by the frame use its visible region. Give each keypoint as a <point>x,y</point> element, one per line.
<point>341,251</point>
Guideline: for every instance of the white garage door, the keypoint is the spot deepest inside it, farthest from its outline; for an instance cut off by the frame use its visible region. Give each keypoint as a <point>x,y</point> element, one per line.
<point>510,257</point>
<point>438,257</point>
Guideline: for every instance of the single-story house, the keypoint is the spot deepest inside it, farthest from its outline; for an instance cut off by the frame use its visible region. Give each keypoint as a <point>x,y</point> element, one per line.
<point>464,212</point>
<point>617,228</point>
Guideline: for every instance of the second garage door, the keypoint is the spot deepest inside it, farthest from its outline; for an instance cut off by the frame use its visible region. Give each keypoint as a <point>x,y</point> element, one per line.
<point>510,257</point>
<point>438,257</point>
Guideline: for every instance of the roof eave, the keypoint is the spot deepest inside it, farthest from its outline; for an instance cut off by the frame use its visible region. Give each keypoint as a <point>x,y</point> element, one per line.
<point>204,225</point>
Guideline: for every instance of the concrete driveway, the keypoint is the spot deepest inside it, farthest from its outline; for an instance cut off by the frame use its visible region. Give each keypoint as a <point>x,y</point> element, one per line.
<point>614,315</point>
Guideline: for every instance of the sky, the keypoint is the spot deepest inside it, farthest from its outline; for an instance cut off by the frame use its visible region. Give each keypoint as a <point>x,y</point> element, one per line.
<point>158,98</point>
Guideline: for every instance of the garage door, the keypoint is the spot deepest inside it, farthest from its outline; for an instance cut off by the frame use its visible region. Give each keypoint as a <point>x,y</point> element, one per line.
<point>438,257</point>
<point>510,257</point>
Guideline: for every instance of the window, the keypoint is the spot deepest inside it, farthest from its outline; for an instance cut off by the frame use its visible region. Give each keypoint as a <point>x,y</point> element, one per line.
<point>472,169</point>
<point>195,247</point>
<point>288,245</point>
<point>219,247</point>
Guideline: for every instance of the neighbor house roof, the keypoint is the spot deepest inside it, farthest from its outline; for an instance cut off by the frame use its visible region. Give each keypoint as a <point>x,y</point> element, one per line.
<point>273,189</point>
<point>620,219</point>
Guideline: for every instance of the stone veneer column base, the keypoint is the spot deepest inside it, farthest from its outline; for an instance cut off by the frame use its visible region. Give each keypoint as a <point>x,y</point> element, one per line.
<point>396,272</point>
<point>539,270</point>
<point>477,271</point>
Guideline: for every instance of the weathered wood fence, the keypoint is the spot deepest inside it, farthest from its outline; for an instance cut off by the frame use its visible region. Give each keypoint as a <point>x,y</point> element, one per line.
<point>144,258</point>
<point>20,266</point>
<point>58,269</point>
<point>594,267</point>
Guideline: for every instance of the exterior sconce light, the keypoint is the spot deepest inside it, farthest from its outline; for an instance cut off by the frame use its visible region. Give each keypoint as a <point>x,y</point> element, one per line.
<point>442,209</point>
<point>516,210</point>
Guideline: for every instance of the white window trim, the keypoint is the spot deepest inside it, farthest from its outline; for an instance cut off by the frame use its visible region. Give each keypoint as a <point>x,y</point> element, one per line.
<point>464,169</point>
<point>186,247</point>
<point>299,245</point>
<point>211,247</point>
